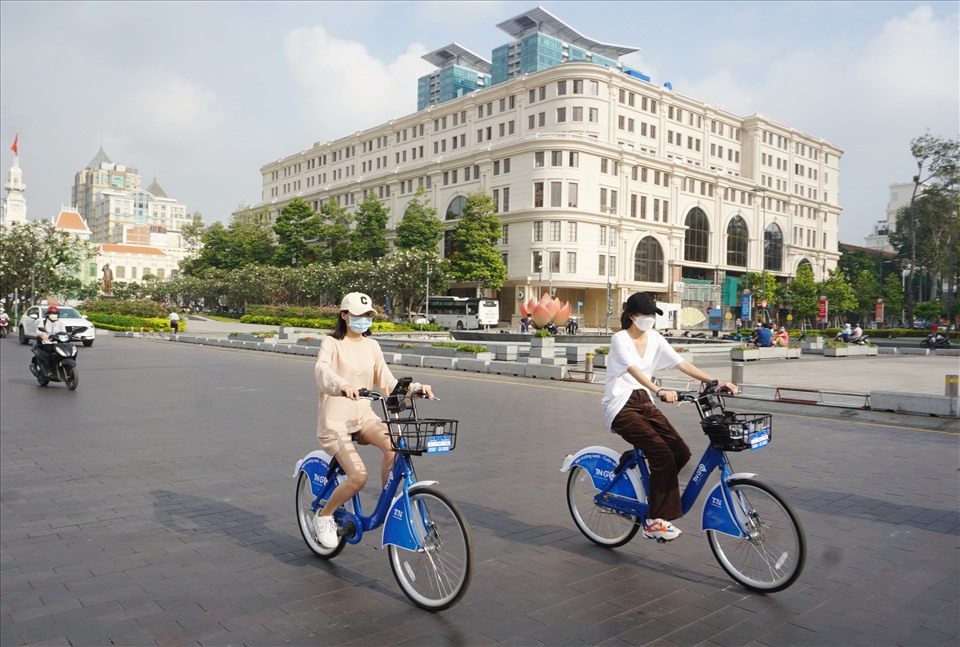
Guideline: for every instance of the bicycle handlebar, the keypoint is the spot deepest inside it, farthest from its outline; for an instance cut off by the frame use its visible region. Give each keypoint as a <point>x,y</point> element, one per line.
<point>367,394</point>
<point>710,388</point>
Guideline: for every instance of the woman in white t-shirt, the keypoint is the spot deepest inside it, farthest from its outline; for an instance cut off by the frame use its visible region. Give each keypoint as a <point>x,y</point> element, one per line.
<point>347,362</point>
<point>636,353</point>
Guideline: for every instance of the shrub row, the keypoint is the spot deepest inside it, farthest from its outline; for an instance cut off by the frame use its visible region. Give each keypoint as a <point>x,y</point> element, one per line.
<point>135,308</point>
<point>330,324</point>
<point>126,322</point>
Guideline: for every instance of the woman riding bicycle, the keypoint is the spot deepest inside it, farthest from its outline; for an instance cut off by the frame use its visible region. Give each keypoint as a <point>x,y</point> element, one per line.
<point>636,353</point>
<point>347,362</point>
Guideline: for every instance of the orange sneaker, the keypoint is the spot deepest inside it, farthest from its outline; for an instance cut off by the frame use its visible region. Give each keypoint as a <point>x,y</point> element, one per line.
<point>661,530</point>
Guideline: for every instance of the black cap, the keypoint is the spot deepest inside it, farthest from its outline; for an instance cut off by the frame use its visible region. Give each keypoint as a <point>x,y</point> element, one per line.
<point>642,303</point>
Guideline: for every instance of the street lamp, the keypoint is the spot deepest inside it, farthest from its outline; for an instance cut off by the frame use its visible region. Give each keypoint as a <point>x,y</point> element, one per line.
<point>763,246</point>
<point>609,209</point>
<point>540,276</point>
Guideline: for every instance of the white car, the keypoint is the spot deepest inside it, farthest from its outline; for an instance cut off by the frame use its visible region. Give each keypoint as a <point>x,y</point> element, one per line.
<point>72,319</point>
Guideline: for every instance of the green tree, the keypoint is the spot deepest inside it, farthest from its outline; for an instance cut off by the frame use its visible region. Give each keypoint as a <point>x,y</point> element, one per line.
<point>866,290</point>
<point>39,260</point>
<point>420,228</point>
<point>333,244</point>
<point>296,224</point>
<point>931,217</point>
<point>839,293</point>
<point>804,293</point>
<point>929,310</point>
<point>854,260</point>
<point>893,295</point>
<point>407,270</point>
<point>474,257</point>
<point>192,234</point>
<point>368,241</point>
<point>247,240</point>
<point>938,168</point>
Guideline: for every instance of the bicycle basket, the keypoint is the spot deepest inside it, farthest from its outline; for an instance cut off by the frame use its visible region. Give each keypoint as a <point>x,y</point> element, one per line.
<point>735,432</point>
<point>423,435</point>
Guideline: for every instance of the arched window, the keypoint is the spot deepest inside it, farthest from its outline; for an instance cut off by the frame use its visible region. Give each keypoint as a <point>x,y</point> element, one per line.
<point>773,248</point>
<point>648,261</point>
<point>697,238</point>
<point>737,239</point>
<point>455,210</point>
<point>160,273</point>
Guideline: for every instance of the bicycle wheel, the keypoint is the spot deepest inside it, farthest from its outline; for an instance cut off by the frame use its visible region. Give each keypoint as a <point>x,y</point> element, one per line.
<point>602,526</point>
<point>305,512</point>
<point>772,557</point>
<point>436,576</point>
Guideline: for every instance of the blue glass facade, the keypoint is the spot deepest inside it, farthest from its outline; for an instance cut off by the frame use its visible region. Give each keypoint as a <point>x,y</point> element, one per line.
<point>449,83</point>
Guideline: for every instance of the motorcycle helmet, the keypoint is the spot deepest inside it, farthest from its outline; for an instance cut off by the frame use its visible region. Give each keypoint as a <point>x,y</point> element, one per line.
<point>53,313</point>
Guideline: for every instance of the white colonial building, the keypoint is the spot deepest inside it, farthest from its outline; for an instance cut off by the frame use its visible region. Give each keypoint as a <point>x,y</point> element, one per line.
<point>14,202</point>
<point>602,181</point>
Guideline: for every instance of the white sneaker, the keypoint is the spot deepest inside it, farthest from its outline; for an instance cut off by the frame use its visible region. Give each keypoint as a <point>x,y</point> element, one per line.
<point>661,530</point>
<point>326,529</point>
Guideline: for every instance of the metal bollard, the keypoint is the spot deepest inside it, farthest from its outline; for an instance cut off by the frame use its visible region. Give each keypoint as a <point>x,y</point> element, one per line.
<point>951,386</point>
<point>736,372</point>
<point>589,366</point>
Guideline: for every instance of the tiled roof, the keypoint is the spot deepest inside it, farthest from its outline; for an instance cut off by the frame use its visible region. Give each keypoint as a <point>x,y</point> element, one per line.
<point>130,249</point>
<point>69,219</point>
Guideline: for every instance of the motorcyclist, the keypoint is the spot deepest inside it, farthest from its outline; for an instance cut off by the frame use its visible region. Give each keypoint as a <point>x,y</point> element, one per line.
<point>846,333</point>
<point>858,331</point>
<point>4,320</point>
<point>51,326</point>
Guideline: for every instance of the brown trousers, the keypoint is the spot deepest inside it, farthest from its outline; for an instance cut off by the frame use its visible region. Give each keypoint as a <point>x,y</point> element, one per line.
<point>644,426</point>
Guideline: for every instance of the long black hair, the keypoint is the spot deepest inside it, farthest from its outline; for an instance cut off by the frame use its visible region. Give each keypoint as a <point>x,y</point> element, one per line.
<point>340,330</point>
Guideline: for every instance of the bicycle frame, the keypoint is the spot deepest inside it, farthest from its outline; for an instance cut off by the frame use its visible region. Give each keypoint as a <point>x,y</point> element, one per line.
<point>620,492</point>
<point>393,505</point>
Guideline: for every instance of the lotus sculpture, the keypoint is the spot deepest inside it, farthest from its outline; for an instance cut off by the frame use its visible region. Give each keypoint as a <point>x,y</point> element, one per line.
<point>545,311</point>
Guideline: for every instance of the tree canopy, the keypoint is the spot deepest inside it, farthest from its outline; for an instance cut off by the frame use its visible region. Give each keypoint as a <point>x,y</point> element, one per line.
<point>296,224</point>
<point>474,257</point>
<point>420,228</point>
<point>368,242</point>
<point>37,257</point>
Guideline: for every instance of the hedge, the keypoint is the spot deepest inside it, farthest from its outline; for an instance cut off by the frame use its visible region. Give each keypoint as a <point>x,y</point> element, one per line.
<point>126,322</point>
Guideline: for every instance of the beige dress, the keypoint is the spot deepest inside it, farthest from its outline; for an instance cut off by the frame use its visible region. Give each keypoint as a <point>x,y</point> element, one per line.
<point>358,363</point>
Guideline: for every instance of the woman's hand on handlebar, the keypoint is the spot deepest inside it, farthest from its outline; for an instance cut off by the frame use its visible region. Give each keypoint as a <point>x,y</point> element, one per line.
<point>666,395</point>
<point>725,388</point>
<point>350,392</point>
<point>425,391</point>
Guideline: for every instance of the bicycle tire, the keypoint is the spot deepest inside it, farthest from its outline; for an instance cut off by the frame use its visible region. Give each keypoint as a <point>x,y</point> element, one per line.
<point>602,526</point>
<point>774,557</point>
<point>305,513</point>
<point>436,577</point>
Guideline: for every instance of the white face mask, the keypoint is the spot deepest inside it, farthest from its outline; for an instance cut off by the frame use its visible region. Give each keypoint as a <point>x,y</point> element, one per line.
<point>645,322</point>
<point>360,325</point>
<point>53,316</point>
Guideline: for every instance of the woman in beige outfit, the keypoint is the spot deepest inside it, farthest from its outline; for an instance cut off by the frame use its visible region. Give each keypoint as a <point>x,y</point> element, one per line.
<point>349,361</point>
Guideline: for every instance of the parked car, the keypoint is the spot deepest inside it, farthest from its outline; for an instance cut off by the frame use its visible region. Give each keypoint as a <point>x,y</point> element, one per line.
<point>416,318</point>
<point>34,316</point>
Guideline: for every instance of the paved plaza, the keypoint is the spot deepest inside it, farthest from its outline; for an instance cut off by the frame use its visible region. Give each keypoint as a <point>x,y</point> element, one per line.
<point>154,506</point>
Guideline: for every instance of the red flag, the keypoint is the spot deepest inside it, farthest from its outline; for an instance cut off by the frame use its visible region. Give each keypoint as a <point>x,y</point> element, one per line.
<point>14,147</point>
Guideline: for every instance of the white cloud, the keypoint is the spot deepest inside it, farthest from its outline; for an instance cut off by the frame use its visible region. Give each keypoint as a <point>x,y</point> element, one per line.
<point>347,89</point>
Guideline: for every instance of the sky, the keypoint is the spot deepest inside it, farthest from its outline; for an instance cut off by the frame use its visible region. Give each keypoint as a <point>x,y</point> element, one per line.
<point>200,95</point>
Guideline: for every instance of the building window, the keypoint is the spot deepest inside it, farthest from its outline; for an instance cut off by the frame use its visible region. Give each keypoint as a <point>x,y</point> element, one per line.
<point>554,231</point>
<point>561,87</point>
<point>555,197</point>
<point>594,115</point>
<point>696,240</point>
<point>773,248</point>
<point>737,240</point>
<point>602,269</point>
<point>556,158</point>
<point>574,159</point>
<point>538,231</point>
<point>538,158</point>
<point>455,210</point>
<point>571,262</point>
<point>648,261</point>
<point>572,197</point>
<point>572,232</point>
<point>506,199</point>
<point>538,194</point>
<point>554,262</point>
<point>538,261</point>
<point>505,235</point>
<point>561,115</point>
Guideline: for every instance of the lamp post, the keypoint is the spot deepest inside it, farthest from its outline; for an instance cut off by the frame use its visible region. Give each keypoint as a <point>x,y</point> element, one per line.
<point>763,245</point>
<point>540,276</point>
<point>610,209</point>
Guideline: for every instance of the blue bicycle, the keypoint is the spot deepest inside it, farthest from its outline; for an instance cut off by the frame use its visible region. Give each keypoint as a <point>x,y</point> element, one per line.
<point>754,534</point>
<point>427,538</point>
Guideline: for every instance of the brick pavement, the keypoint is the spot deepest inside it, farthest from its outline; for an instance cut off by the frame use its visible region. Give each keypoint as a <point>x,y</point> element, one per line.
<point>164,516</point>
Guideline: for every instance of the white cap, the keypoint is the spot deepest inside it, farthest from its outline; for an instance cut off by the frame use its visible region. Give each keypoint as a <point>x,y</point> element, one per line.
<point>357,303</point>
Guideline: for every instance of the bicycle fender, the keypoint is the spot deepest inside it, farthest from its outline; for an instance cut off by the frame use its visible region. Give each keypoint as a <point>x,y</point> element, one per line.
<point>398,528</point>
<point>600,463</point>
<point>718,510</point>
<point>316,464</point>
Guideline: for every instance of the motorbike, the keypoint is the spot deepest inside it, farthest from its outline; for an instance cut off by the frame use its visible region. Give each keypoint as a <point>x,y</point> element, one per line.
<point>63,359</point>
<point>698,335</point>
<point>935,340</point>
<point>734,337</point>
<point>4,326</point>
<point>861,340</point>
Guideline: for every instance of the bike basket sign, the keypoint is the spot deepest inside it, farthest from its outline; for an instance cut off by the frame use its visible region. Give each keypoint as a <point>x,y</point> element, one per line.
<point>759,439</point>
<point>438,444</point>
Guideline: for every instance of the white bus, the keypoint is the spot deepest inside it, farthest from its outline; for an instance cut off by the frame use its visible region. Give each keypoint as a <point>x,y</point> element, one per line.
<point>463,313</point>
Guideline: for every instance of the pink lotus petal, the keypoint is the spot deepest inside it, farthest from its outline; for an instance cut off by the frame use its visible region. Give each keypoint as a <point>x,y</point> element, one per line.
<point>545,299</point>
<point>554,307</point>
<point>541,316</point>
<point>563,315</point>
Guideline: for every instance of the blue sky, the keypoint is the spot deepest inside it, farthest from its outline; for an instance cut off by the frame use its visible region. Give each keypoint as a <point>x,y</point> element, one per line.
<point>202,94</point>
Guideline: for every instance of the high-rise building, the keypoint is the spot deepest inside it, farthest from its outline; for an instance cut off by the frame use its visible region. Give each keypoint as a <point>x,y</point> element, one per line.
<point>460,73</point>
<point>100,175</point>
<point>900,196</point>
<point>604,184</point>
<point>14,203</point>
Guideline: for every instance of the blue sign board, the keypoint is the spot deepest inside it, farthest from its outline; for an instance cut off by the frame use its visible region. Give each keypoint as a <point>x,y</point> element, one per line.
<point>715,319</point>
<point>745,306</point>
